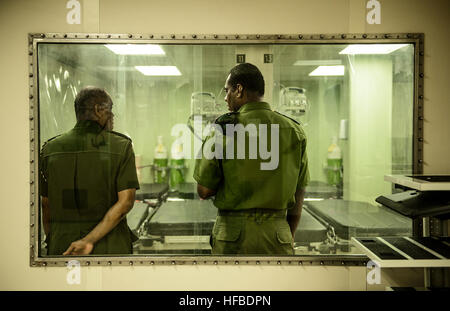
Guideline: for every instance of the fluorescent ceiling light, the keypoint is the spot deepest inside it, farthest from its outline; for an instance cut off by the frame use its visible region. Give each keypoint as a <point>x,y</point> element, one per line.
<point>159,70</point>
<point>175,200</point>
<point>116,68</point>
<point>371,48</point>
<point>136,49</point>
<point>313,199</point>
<point>328,71</point>
<point>318,62</point>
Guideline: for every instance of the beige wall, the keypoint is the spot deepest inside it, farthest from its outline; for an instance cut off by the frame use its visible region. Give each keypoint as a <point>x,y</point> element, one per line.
<point>17,18</point>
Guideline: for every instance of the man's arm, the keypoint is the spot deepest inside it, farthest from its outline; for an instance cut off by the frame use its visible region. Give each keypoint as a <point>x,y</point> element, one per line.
<point>114,215</point>
<point>293,216</point>
<point>204,192</point>
<point>45,215</point>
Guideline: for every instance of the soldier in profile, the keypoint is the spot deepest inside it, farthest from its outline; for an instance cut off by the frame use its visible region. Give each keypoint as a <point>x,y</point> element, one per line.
<point>259,207</point>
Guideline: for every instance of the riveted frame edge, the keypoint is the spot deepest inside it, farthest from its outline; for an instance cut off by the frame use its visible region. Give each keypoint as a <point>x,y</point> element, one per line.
<point>419,98</point>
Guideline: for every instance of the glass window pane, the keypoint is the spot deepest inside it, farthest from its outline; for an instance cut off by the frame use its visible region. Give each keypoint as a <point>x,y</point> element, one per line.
<point>355,103</point>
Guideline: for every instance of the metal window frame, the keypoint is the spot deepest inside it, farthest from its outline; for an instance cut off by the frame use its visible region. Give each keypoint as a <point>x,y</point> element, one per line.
<point>145,260</point>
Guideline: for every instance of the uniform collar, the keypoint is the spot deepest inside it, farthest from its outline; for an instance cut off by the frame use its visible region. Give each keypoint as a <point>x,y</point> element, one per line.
<point>88,125</point>
<point>254,106</point>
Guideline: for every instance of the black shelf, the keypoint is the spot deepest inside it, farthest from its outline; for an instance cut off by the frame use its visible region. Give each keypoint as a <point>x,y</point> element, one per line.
<point>415,204</point>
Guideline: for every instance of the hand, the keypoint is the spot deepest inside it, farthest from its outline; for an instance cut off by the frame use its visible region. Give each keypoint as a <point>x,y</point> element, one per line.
<point>79,247</point>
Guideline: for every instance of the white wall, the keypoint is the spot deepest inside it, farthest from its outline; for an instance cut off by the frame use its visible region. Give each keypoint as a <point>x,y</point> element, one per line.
<point>18,18</point>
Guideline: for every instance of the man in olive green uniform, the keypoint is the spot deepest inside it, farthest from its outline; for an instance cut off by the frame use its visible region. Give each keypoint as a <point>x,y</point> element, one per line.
<point>88,182</point>
<point>259,203</point>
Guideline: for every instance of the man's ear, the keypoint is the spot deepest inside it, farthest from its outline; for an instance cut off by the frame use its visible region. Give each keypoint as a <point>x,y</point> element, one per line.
<point>240,90</point>
<point>98,110</point>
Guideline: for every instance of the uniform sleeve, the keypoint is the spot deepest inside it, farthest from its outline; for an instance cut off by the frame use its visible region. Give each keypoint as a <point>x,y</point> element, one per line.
<point>43,174</point>
<point>127,177</point>
<point>303,176</point>
<point>208,173</point>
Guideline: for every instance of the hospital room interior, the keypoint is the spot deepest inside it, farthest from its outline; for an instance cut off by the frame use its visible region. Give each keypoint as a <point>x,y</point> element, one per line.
<point>343,112</point>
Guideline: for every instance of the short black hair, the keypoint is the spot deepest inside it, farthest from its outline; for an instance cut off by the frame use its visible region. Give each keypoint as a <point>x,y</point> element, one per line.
<point>248,76</point>
<point>86,100</point>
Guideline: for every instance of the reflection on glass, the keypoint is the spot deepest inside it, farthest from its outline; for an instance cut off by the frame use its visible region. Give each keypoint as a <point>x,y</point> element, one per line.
<point>356,111</point>
<point>87,181</point>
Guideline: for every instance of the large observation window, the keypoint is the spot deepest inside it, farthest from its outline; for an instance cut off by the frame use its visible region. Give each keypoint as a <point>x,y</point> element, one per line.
<point>355,98</point>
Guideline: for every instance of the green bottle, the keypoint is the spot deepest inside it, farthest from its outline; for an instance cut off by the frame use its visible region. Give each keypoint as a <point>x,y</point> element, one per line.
<point>177,165</point>
<point>160,163</point>
<point>334,164</point>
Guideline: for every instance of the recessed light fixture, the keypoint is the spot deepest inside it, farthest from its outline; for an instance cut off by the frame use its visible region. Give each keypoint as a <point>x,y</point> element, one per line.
<point>371,48</point>
<point>116,68</point>
<point>159,70</point>
<point>328,71</point>
<point>136,49</point>
<point>318,62</point>
<point>175,200</point>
